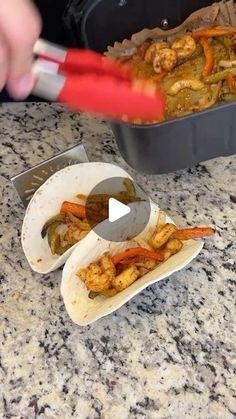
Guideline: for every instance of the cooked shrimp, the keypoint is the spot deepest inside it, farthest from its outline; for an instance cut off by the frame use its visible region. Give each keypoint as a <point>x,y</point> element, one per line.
<point>82,273</point>
<point>193,84</point>
<point>148,264</point>
<point>227,63</point>
<point>164,60</point>
<point>98,276</point>
<point>153,49</point>
<point>107,266</point>
<point>173,246</point>
<point>109,293</point>
<point>162,236</point>
<point>184,46</point>
<point>126,278</point>
<point>94,278</point>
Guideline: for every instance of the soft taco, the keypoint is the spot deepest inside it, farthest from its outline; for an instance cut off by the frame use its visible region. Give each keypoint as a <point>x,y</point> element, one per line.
<point>102,276</point>
<point>56,218</point>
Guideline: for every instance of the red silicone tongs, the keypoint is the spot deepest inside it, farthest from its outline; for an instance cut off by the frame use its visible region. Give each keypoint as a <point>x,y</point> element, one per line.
<point>87,81</point>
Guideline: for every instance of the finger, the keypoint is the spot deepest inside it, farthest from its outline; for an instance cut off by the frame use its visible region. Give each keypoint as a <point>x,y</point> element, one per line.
<point>19,88</point>
<point>20,24</point>
<point>3,63</point>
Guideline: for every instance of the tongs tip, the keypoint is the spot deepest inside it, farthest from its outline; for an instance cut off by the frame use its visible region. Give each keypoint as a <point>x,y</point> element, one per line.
<point>88,81</point>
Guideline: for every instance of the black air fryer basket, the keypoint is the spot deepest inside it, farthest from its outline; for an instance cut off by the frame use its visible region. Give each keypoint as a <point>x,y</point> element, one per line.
<point>171,145</point>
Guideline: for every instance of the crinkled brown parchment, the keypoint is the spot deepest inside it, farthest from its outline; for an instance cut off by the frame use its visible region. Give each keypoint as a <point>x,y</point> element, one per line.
<point>218,14</point>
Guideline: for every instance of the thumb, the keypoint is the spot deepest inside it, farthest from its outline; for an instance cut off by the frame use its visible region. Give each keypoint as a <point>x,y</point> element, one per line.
<point>20,25</point>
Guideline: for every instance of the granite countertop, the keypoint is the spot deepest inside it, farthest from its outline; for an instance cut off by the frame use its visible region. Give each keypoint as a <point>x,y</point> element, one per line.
<point>170,352</point>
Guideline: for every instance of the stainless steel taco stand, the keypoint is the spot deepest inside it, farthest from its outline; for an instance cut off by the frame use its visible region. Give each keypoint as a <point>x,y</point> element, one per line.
<point>27,182</point>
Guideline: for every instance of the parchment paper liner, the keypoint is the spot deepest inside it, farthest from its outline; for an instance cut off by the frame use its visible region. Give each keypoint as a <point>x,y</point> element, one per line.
<point>218,14</point>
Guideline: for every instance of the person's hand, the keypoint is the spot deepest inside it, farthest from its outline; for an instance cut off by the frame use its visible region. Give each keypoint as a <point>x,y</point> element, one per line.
<point>20,26</point>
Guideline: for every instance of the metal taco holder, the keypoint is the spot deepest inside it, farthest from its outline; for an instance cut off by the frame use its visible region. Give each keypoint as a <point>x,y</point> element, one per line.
<point>27,182</point>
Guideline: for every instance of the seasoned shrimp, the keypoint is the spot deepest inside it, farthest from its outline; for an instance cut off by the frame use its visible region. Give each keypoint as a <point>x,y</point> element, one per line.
<point>94,278</point>
<point>126,278</point>
<point>148,264</point>
<point>109,293</point>
<point>98,276</point>
<point>153,50</point>
<point>162,236</point>
<point>107,266</point>
<point>193,84</point>
<point>164,60</point>
<point>173,246</point>
<point>184,46</point>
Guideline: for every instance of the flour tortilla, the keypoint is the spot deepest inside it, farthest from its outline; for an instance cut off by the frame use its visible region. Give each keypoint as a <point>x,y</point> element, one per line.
<point>83,310</point>
<point>46,202</point>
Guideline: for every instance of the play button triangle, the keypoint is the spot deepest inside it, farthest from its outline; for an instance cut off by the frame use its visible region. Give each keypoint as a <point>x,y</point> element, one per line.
<point>117,210</point>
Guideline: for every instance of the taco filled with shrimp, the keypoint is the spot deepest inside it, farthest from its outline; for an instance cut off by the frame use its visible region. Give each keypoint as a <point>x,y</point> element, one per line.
<point>100,277</point>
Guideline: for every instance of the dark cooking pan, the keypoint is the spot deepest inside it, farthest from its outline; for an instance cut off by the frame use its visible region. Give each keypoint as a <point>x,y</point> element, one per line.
<point>174,144</point>
<point>178,143</point>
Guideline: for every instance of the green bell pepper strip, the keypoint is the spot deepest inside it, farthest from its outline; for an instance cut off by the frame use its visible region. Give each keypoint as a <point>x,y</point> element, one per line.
<point>52,220</point>
<point>229,97</point>
<point>226,42</point>
<point>216,77</point>
<point>54,240</point>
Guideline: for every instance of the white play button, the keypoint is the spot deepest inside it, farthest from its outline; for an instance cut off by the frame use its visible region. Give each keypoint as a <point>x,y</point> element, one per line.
<point>123,215</point>
<point>117,210</point>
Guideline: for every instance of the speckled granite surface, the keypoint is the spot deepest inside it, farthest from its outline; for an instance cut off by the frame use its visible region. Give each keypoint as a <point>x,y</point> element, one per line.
<point>168,353</point>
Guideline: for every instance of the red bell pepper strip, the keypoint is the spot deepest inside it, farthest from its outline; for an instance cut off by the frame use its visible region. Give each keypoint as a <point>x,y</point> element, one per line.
<point>129,261</point>
<point>76,209</point>
<point>212,32</point>
<point>137,251</point>
<point>209,54</point>
<point>231,83</point>
<point>193,233</point>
